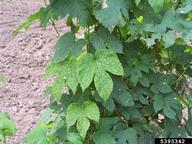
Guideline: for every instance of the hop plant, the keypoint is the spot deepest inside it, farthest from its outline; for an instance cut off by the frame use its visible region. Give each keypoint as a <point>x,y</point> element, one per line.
<point>126,76</point>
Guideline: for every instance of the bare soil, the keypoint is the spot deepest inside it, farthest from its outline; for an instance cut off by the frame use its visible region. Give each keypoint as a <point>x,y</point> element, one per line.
<point>22,62</point>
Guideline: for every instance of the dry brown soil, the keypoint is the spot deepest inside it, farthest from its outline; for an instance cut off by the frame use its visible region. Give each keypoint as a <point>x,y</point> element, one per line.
<point>22,61</point>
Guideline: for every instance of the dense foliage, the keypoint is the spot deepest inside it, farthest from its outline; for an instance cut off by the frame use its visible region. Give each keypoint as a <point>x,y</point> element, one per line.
<point>126,74</point>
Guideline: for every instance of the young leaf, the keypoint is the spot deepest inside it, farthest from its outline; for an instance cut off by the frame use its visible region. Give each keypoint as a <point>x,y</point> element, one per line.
<point>65,75</point>
<point>73,113</point>
<point>37,135</point>
<point>28,22</point>
<point>83,126</point>
<point>89,66</point>
<point>91,111</point>
<point>81,114</point>
<point>56,89</point>
<point>7,126</point>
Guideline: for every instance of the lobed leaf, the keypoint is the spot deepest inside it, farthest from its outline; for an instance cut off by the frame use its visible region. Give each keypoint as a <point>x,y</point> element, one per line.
<point>81,115</point>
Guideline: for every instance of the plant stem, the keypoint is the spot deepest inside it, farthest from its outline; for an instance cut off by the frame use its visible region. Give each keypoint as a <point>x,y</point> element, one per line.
<point>56,30</point>
<point>183,101</point>
<point>182,74</point>
<point>52,22</point>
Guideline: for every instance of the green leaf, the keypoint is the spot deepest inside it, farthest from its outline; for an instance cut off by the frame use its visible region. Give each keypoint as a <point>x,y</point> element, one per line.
<point>140,94</point>
<point>107,123</point>
<point>28,22</point>
<point>137,2</point>
<point>38,135</point>
<point>70,74</point>
<point>109,104</point>
<point>132,113</point>
<point>151,41</point>
<point>81,114</point>
<point>146,63</point>
<point>129,135</point>
<point>4,115</point>
<point>146,138</point>
<point>65,75</point>
<point>162,83</point>
<point>75,8</point>
<point>74,138</point>
<point>169,112</point>
<point>125,99</point>
<point>170,21</point>
<point>1,137</point>
<point>91,111</point>
<point>85,70</point>
<point>177,132</point>
<point>109,61</point>
<point>186,7</point>
<point>83,126</point>
<point>103,138</point>
<point>7,126</point>
<point>144,81</point>
<point>89,66</point>
<point>158,103</point>
<point>169,38</point>
<point>103,39</point>
<point>165,103</point>
<point>74,112</point>
<point>68,45</point>
<point>56,89</point>
<point>161,87</point>
<point>164,88</point>
<point>136,74</point>
<point>121,94</point>
<point>103,84</point>
<point>156,5</point>
<point>112,13</point>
